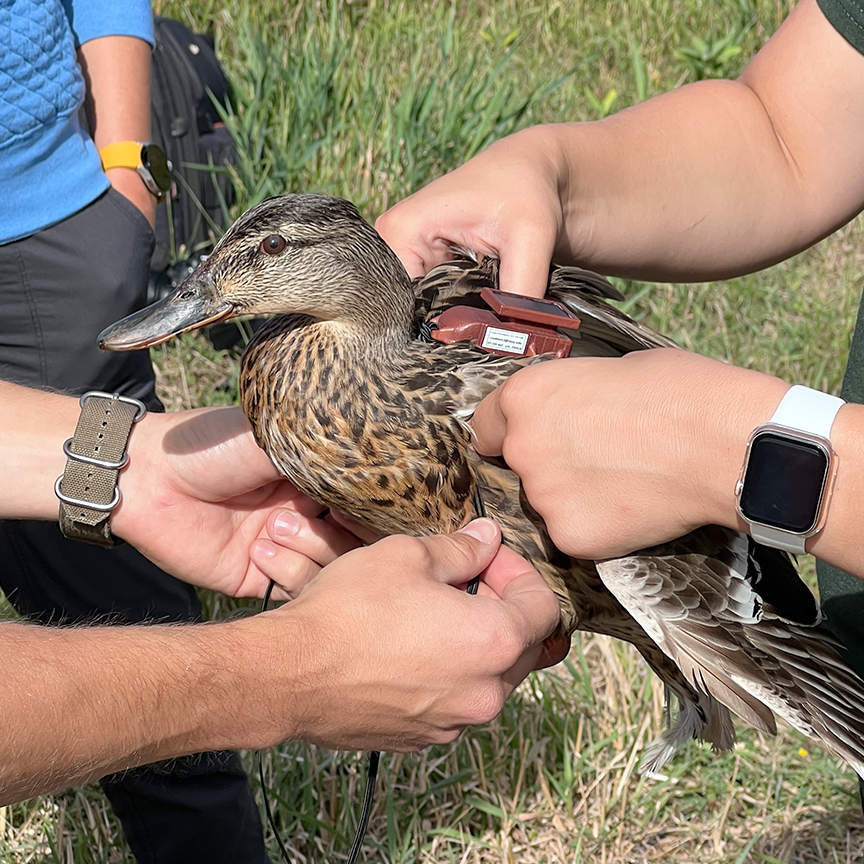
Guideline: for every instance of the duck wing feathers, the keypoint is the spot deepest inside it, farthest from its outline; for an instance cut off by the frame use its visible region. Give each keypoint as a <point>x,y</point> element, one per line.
<point>604,330</point>
<point>704,600</point>
<point>733,616</point>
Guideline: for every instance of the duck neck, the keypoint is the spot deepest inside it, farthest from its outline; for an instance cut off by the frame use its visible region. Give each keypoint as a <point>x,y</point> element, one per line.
<point>378,321</point>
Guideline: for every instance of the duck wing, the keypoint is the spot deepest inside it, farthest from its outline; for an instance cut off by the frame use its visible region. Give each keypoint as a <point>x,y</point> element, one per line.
<point>457,282</point>
<point>604,330</point>
<point>602,325</point>
<point>451,380</point>
<point>720,618</point>
<point>745,633</point>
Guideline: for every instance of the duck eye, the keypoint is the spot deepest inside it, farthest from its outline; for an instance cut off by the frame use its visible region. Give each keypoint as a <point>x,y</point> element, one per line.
<point>273,244</point>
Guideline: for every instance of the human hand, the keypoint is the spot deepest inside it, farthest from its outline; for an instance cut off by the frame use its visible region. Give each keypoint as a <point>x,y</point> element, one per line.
<point>196,494</point>
<point>394,657</point>
<point>299,546</point>
<point>618,454</point>
<point>127,182</point>
<point>505,202</point>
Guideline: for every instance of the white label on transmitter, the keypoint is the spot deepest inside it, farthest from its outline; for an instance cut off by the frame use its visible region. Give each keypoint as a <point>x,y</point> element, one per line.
<point>511,341</point>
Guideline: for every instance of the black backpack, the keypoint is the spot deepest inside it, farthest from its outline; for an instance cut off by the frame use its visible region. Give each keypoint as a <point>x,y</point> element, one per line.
<point>187,83</point>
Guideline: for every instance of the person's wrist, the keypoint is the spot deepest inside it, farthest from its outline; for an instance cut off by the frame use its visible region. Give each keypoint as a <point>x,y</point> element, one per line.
<point>36,453</point>
<point>245,700</point>
<point>141,478</point>
<point>577,206</point>
<point>844,513</point>
<point>273,656</point>
<point>542,147</point>
<point>317,686</point>
<point>533,152</point>
<point>736,401</point>
<point>265,707</point>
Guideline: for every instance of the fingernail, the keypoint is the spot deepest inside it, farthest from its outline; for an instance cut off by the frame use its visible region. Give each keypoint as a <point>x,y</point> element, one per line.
<point>285,524</point>
<point>483,530</point>
<point>263,550</point>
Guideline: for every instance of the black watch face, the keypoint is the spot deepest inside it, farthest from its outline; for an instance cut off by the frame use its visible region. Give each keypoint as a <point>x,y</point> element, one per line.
<point>155,161</point>
<point>784,482</point>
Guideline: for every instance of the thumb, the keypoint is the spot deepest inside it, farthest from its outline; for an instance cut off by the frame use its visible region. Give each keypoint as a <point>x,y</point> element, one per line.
<point>533,609</point>
<point>459,557</point>
<point>531,600</point>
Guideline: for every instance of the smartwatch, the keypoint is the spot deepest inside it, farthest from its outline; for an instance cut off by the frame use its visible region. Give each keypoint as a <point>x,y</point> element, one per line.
<point>789,467</point>
<point>147,158</point>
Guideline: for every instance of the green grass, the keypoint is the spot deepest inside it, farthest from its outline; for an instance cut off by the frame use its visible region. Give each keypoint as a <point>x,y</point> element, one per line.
<point>369,100</point>
<point>372,99</point>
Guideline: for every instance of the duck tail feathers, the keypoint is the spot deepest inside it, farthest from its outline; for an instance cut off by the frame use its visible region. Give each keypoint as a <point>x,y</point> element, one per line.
<point>707,720</point>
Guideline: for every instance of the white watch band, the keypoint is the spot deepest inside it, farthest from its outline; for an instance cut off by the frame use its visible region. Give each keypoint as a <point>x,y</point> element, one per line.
<point>800,410</point>
<point>807,410</point>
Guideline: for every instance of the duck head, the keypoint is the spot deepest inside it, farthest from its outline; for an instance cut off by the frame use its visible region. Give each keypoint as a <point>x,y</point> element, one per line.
<point>309,254</point>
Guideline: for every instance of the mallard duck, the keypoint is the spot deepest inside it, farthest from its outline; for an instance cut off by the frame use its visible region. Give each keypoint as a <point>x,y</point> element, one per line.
<point>367,417</point>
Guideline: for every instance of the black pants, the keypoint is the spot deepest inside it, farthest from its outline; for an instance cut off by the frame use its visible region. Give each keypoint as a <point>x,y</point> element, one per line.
<point>58,289</point>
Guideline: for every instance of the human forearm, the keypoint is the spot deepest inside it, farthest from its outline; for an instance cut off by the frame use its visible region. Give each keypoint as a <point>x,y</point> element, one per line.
<point>117,72</point>
<point>34,426</point>
<point>692,185</point>
<point>713,179</point>
<point>624,453</point>
<point>195,447</point>
<point>380,651</point>
<point>722,424</point>
<point>841,542</point>
<point>80,703</point>
<point>724,177</point>
<point>194,495</point>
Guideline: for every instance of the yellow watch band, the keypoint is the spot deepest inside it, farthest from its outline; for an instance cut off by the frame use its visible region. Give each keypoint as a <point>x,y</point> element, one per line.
<point>146,158</point>
<point>121,154</point>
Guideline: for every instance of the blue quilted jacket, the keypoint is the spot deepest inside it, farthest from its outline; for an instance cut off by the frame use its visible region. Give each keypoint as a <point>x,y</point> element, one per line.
<point>49,167</point>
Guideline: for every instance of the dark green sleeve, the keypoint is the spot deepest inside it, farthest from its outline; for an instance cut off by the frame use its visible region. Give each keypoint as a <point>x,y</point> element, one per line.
<point>842,595</point>
<point>847,16</point>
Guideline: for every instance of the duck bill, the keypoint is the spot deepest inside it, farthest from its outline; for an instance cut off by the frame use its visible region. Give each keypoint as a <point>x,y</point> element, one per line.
<point>190,306</point>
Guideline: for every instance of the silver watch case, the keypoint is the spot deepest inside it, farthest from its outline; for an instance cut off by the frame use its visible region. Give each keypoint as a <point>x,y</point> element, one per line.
<point>796,538</point>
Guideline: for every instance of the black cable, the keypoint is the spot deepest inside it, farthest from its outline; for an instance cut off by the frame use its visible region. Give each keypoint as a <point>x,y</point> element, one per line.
<point>371,775</point>
<point>360,833</point>
<point>269,812</point>
<point>267,808</point>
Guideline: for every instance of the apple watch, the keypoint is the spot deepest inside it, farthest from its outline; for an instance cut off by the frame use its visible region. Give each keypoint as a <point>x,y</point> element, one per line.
<point>147,158</point>
<point>785,484</point>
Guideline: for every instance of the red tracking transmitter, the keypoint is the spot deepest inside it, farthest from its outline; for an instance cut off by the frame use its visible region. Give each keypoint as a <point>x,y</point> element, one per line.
<point>514,325</point>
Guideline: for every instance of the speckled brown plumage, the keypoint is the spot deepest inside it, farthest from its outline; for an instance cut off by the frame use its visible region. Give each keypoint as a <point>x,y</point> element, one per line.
<point>369,419</point>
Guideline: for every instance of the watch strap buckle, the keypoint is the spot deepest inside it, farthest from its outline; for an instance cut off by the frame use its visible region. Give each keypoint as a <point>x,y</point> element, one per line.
<point>95,454</point>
